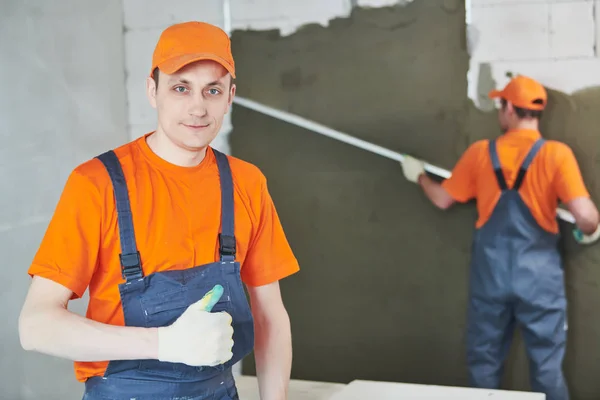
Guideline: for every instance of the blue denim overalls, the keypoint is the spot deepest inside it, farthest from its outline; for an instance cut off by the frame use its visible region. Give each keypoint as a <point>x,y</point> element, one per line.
<point>516,277</point>
<point>160,298</point>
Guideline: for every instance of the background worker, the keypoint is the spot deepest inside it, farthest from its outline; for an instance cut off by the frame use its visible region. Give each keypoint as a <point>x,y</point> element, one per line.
<point>516,274</point>
<point>163,231</point>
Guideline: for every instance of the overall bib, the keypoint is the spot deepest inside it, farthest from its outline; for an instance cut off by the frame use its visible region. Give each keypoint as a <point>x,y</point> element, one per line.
<point>160,298</point>
<point>516,278</point>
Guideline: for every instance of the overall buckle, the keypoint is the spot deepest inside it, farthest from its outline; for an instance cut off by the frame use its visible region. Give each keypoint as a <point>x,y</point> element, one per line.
<point>227,246</point>
<point>131,265</point>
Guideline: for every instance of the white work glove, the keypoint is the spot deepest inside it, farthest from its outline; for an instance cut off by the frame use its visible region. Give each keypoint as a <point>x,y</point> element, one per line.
<point>582,238</point>
<point>198,337</point>
<point>412,168</point>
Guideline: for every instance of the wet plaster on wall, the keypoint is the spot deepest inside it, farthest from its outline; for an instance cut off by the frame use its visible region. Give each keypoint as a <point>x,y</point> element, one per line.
<point>383,289</point>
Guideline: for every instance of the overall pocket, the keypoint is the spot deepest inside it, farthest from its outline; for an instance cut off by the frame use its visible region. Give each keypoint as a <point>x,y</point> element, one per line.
<point>162,308</point>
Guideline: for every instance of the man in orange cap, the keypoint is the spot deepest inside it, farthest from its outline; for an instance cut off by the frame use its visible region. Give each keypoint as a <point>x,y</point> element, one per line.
<point>164,232</point>
<point>516,273</point>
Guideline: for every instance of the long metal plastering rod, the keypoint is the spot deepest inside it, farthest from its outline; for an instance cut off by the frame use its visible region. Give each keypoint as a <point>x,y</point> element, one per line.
<point>353,141</point>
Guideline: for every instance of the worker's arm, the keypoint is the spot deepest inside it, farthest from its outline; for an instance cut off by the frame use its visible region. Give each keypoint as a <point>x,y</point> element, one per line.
<point>273,341</point>
<point>47,326</point>
<point>62,268</point>
<point>459,187</point>
<point>586,218</point>
<point>585,213</point>
<point>268,260</point>
<point>435,192</point>
<point>571,190</point>
<point>197,338</point>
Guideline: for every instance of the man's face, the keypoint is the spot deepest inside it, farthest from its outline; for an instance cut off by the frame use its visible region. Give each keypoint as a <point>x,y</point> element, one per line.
<point>191,103</point>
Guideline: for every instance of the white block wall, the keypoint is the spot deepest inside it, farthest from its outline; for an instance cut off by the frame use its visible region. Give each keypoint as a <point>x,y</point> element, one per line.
<point>553,41</point>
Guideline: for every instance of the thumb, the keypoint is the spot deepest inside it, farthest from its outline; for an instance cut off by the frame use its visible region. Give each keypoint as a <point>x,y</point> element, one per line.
<point>210,299</point>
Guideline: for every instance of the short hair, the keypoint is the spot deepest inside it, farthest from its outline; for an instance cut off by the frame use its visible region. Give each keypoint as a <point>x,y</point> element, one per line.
<point>523,113</point>
<point>156,73</point>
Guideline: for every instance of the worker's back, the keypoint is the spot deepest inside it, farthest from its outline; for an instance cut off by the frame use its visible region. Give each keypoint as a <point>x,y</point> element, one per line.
<point>552,176</point>
<point>511,243</point>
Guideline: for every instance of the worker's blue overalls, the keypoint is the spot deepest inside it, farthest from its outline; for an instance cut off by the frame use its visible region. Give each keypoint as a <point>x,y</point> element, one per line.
<point>160,298</point>
<point>516,278</point>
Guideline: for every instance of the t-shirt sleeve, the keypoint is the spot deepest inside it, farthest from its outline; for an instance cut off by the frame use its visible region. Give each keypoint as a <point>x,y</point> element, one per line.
<point>68,253</point>
<point>568,181</point>
<point>461,184</point>
<point>269,257</point>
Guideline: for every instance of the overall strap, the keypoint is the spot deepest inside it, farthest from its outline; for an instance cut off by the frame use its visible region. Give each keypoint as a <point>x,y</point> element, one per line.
<point>130,257</point>
<point>497,166</point>
<point>527,162</point>
<point>227,245</point>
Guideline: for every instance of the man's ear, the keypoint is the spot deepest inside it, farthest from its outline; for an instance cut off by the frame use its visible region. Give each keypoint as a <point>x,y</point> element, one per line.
<point>231,93</point>
<point>151,91</point>
<point>231,96</point>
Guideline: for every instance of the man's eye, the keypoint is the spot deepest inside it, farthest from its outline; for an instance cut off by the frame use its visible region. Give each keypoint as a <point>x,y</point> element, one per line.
<point>180,89</point>
<point>214,91</point>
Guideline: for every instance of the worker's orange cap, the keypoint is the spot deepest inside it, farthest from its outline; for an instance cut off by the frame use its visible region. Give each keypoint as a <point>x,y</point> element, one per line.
<point>184,43</point>
<point>523,92</point>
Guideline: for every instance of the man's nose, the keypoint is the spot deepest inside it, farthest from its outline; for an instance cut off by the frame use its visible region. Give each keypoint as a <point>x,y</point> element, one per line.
<point>197,106</point>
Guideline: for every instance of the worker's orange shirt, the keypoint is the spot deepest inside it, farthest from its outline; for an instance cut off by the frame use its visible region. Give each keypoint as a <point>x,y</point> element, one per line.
<point>176,215</point>
<point>552,176</point>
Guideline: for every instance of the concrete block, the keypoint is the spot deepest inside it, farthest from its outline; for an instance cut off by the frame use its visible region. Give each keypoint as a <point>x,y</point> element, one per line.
<point>147,14</point>
<point>597,27</point>
<point>511,32</point>
<point>567,76</point>
<point>285,15</point>
<point>381,3</point>
<point>289,9</point>
<point>484,3</point>
<point>572,29</point>
<point>139,46</point>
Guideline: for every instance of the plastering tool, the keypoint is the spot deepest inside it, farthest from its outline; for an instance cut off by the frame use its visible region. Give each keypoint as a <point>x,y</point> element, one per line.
<point>344,137</point>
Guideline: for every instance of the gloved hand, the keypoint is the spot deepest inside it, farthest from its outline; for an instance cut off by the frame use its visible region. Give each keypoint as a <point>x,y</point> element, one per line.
<point>582,238</point>
<point>412,168</point>
<point>198,337</point>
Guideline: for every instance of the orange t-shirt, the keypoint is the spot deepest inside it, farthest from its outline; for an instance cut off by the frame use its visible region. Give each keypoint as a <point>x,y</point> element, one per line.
<point>177,217</point>
<point>553,175</point>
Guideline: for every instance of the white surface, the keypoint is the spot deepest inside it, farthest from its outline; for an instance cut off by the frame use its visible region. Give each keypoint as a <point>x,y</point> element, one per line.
<point>572,29</point>
<point>361,390</point>
<point>298,389</point>
<point>523,27</point>
<point>553,41</point>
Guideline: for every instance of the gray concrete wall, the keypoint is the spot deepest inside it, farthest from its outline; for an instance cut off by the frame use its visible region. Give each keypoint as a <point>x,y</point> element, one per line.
<point>383,288</point>
<point>62,101</point>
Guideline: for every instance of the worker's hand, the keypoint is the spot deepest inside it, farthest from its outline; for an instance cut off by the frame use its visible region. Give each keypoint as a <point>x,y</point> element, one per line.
<point>582,238</point>
<point>412,168</point>
<point>198,337</point>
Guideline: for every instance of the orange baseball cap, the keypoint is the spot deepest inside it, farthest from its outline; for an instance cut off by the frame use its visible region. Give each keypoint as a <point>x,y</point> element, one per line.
<point>523,92</point>
<point>186,42</point>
